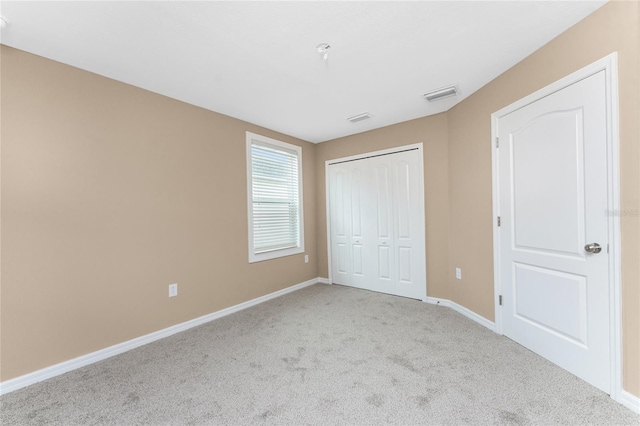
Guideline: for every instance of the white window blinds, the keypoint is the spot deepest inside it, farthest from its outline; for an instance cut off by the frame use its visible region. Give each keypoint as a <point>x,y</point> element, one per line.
<point>275,198</point>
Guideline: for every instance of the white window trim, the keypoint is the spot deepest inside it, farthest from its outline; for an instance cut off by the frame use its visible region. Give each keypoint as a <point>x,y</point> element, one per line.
<point>258,257</point>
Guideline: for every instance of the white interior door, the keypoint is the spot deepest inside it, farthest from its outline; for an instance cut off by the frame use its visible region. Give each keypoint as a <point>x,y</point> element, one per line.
<point>377,223</point>
<point>552,167</point>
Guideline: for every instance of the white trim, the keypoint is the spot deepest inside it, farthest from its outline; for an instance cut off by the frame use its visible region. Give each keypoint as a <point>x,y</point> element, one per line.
<point>615,266</point>
<point>81,361</point>
<point>609,64</point>
<point>630,401</point>
<point>324,280</point>
<point>274,254</point>
<point>495,191</point>
<point>419,146</point>
<point>462,310</point>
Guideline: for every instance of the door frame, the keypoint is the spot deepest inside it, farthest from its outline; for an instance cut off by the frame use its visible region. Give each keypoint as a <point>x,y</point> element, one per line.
<point>609,64</point>
<point>327,163</point>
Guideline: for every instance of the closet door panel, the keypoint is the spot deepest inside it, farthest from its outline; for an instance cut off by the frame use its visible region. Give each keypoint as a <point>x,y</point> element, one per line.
<point>340,225</point>
<point>383,202</point>
<point>383,211</point>
<point>342,260</point>
<point>404,265</point>
<point>358,209</point>
<point>384,263</point>
<point>403,200</point>
<point>409,225</point>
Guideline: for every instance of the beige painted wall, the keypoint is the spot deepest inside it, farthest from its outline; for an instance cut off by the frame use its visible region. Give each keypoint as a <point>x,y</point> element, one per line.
<point>432,133</point>
<point>465,225</point>
<point>109,194</point>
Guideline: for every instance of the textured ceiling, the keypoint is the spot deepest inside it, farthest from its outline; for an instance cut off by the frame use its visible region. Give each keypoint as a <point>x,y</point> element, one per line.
<point>257,61</point>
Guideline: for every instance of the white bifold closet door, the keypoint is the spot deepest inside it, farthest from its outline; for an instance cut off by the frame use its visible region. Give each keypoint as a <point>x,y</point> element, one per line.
<point>377,223</point>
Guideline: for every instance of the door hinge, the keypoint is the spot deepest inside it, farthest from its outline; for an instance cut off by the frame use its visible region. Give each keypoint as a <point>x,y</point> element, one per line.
<point>499,221</point>
<point>497,142</point>
<point>500,300</point>
<point>607,248</point>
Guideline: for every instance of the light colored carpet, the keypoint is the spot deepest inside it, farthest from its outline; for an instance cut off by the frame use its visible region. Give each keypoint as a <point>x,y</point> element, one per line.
<point>321,355</point>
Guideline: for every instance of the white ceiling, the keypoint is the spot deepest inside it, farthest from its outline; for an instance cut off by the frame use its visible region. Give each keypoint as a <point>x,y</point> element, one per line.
<point>257,61</point>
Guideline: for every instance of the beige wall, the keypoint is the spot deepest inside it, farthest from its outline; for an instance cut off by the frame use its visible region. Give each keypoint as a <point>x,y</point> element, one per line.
<point>109,194</point>
<point>432,133</point>
<point>465,224</point>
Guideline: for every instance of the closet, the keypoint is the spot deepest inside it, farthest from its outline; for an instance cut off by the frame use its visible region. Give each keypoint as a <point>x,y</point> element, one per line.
<point>376,222</point>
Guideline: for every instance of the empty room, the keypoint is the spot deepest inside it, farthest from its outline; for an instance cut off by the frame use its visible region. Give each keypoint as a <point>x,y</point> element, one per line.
<point>310,212</point>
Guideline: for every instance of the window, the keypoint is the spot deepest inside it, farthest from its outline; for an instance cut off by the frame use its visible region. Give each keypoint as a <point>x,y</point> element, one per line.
<point>274,181</point>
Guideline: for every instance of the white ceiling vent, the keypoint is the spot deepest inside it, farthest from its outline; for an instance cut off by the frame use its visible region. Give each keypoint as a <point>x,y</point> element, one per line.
<point>444,92</point>
<point>359,117</point>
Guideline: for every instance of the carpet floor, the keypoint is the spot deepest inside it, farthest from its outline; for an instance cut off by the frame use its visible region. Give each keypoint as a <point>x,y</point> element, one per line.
<point>326,355</point>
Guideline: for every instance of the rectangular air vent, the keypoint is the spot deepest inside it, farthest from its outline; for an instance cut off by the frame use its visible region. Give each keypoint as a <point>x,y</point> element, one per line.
<point>359,117</point>
<point>444,92</point>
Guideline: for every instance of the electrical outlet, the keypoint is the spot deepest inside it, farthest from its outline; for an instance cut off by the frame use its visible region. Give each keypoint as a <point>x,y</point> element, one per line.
<point>459,273</point>
<point>173,290</point>
<point>306,258</point>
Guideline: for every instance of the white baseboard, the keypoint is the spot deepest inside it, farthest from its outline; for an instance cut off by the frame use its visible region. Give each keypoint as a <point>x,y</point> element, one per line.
<point>630,401</point>
<point>464,311</point>
<point>75,363</point>
<point>323,280</point>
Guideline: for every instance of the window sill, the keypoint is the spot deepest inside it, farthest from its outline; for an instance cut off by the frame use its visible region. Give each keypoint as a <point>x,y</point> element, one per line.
<point>268,255</point>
